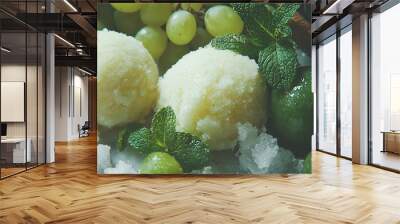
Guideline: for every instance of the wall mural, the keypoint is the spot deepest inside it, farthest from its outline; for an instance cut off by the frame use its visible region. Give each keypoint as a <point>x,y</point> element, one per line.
<point>204,88</point>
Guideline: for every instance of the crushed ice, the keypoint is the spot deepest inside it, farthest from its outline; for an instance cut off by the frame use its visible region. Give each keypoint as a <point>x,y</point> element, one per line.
<point>259,153</point>
<point>121,167</point>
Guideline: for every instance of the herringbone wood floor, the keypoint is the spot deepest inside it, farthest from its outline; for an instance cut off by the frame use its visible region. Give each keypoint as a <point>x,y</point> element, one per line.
<point>70,191</point>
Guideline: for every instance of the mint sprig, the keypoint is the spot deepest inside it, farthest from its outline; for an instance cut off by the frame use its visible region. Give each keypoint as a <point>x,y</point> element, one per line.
<point>141,141</point>
<point>237,43</point>
<point>278,64</point>
<point>283,13</point>
<point>189,150</point>
<point>268,34</point>
<point>257,20</point>
<point>163,127</point>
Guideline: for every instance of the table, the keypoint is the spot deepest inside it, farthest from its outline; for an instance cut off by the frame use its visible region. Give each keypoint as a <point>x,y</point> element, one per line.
<point>19,155</point>
<point>391,141</point>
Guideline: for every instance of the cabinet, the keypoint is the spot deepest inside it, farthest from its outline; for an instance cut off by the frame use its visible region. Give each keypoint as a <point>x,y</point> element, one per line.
<point>391,142</point>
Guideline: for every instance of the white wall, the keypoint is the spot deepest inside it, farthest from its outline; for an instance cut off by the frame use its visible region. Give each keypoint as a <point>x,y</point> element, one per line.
<point>17,72</point>
<point>33,126</point>
<point>14,72</point>
<point>9,73</point>
<point>81,85</point>
<point>62,81</point>
<point>70,83</point>
<point>12,101</point>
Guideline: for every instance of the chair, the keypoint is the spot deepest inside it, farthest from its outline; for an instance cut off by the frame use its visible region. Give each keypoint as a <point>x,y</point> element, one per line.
<point>84,130</point>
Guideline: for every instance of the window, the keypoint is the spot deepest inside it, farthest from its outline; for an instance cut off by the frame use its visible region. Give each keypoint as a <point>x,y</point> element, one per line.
<point>334,94</point>
<point>22,77</point>
<point>385,89</point>
<point>346,92</point>
<point>327,95</point>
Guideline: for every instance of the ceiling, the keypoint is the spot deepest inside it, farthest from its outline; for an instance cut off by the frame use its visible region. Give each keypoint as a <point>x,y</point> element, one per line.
<point>332,15</point>
<point>74,22</point>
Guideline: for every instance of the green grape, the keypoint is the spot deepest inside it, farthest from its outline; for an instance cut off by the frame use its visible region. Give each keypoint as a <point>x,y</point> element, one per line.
<point>196,6</point>
<point>193,6</point>
<point>128,23</point>
<point>127,7</point>
<point>175,5</point>
<point>154,40</point>
<point>181,27</point>
<point>171,55</point>
<point>221,20</point>
<point>155,14</point>
<point>185,6</point>
<point>201,39</point>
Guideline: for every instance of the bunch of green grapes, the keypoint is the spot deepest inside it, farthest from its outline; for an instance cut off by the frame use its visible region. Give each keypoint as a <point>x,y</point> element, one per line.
<point>170,30</point>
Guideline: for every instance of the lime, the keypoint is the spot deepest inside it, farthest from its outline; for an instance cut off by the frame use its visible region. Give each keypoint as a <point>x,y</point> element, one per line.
<point>160,163</point>
<point>292,117</point>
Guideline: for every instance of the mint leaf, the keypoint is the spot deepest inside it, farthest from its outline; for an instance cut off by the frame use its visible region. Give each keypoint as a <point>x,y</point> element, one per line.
<point>190,151</point>
<point>257,19</point>
<point>237,43</point>
<point>250,12</point>
<point>245,9</point>
<point>278,64</point>
<point>163,127</point>
<point>123,135</point>
<point>283,32</point>
<point>280,18</point>
<point>283,13</point>
<point>141,141</point>
<point>261,25</point>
